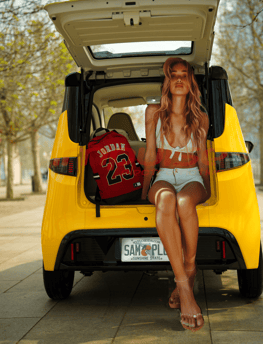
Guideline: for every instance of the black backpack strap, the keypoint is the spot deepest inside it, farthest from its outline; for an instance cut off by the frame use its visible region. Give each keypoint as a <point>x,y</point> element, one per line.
<point>98,130</point>
<point>97,201</point>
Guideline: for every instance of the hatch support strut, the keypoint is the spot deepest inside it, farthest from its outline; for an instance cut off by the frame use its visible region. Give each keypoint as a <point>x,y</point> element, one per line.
<point>207,86</point>
<point>83,115</point>
<point>211,127</point>
<point>82,107</point>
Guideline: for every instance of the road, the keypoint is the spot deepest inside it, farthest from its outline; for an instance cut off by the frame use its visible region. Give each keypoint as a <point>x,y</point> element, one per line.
<point>113,307</point>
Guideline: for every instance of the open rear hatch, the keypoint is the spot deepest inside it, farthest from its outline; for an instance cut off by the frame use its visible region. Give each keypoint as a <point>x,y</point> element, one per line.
<point>88,28</point>
<point>128,40</point>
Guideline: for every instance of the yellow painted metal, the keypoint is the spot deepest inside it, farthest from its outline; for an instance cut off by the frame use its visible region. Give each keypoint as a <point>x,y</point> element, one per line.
<point>63,147</point>
<point>237,207</point>
<point>213,177</point>
<point>234,206</point>
<point>232,139</point>
<point>237,211</point>
<point>61,196</point>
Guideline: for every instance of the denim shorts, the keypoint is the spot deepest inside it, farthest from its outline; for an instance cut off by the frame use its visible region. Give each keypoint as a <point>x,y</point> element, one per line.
<point>179,177</point>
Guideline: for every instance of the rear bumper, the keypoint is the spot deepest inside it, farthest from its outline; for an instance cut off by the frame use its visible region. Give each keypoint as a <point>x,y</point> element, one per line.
<point>100,250</point>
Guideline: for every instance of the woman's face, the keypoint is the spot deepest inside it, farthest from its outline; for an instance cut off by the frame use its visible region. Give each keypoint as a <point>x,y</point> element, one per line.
<point>179,84</point>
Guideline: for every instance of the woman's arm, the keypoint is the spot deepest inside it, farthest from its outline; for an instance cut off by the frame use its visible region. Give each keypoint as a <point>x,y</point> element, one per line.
<point>203,162</point>
<point>150,154</point>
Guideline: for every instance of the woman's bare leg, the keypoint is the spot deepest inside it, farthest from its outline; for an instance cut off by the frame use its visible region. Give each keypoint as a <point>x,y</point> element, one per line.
<point>189,235</point>
<point>174,300</point>
<point>163,195</point>
<point>187,200</point>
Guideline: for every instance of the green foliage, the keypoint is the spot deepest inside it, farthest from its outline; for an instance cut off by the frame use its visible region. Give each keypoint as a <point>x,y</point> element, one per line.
<point>33,65</point>
<point>240,42</point>
<point>240,52</point>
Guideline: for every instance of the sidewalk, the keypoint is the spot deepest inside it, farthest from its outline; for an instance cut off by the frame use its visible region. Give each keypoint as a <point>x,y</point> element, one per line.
<point>109,308</point>
<point>20,190</point>
<point>29,200</point>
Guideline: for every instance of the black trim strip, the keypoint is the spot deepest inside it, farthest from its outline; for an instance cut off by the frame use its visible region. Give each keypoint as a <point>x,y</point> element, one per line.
<point>144,232</point>
<point>144,267</point>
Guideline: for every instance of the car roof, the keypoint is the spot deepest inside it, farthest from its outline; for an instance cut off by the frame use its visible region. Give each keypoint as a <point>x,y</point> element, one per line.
<point>92,28</point>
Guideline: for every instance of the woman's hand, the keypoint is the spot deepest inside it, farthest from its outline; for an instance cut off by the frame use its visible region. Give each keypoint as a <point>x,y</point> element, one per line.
<point>203,162</point>
<point>150,154</point>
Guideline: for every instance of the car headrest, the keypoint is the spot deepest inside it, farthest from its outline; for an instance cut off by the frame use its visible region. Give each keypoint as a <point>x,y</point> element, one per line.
<point>122,120</point>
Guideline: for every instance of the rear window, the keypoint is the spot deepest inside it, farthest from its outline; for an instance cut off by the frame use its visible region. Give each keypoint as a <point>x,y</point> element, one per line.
<point>158,48</point>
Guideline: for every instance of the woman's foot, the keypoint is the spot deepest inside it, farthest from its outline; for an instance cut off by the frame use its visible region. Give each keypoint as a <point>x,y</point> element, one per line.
<point>191,316</point>
<point>174,300</point>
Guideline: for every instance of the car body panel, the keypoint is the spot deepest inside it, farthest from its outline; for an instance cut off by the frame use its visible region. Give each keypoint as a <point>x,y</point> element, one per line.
<point>68,209</point>
<point>236,190</point>
<point>63,146</point>
<point>232,139</point>
<point>237,211</point>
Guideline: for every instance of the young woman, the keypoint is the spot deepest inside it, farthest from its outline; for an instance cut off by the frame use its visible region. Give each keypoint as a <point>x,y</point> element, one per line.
<point>176,132</point>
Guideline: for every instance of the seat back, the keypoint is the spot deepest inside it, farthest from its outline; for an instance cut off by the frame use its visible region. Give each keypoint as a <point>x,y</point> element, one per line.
<point>122,120</point>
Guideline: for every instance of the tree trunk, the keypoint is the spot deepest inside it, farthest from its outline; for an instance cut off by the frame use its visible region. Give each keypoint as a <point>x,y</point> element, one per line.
<point>5,161</point>
<point>261,141</point>
<point>36,161</point>
<point>1,168</point>
<point>2,161</point>
<point>21,173</point>
<point>10,169</point>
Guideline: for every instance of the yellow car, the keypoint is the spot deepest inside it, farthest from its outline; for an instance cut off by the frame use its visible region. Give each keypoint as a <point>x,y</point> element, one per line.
<point>120,48</point>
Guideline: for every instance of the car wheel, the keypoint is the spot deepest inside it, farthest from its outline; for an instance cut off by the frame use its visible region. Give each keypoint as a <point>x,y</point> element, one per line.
<point>251,281</point>
<point>58,284</point>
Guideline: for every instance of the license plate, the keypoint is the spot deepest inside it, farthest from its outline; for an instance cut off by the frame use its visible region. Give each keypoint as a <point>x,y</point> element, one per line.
<point>142,250</point>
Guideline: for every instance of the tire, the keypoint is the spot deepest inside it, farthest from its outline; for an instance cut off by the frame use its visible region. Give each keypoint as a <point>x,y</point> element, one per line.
<point>250,281</point>
<point>58,284</point>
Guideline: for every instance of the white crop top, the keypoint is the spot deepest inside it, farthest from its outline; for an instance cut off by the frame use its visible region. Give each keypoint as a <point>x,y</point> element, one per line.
<point>189,148</point>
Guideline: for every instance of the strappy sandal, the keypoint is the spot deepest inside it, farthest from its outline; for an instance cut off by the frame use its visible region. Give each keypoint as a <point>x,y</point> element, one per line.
<point>176,305</point>
<point>186,325</point>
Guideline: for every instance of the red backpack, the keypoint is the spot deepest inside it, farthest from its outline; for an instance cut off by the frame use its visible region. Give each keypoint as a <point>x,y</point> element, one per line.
<point>118,174</point>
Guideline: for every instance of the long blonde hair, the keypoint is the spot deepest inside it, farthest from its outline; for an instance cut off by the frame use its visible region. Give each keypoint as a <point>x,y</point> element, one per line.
<point>193,113</point>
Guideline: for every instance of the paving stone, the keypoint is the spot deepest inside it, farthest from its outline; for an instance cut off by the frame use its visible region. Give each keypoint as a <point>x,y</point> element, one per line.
<point>158,293</point>
<point>12,330</point>
<point>227,310</point>
<point>237,337</point>
<point>5,285</point>
<point>155,328</point>
<point>33,283</point>
<point>68,330</point>
<point>18,247</point>
<point>24,304</point>
<point>31,218</point>
<point>99,296</point>
<point>22,266</point>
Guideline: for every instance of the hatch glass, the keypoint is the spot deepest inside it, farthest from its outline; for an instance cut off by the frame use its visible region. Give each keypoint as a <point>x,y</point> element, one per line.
<point>117,50</point>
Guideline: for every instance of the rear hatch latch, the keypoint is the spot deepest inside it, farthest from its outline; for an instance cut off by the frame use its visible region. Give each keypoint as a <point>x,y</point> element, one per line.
<point>131,18</point>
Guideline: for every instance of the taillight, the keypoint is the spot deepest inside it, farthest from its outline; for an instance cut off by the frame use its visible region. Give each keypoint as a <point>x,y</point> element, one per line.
<point>227,161</point>
<point>67,166</point>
